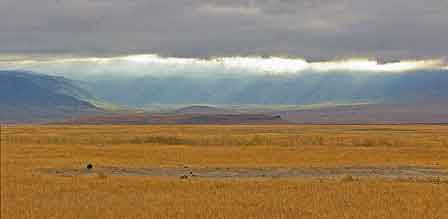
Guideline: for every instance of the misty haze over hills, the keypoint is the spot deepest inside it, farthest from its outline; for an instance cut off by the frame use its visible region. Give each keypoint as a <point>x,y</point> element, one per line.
<point>338,87</point>
<point>139,80</point>
<point>72,87</point>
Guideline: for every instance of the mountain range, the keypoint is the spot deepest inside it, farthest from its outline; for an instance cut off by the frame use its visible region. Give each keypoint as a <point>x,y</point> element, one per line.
<point>43,97</point>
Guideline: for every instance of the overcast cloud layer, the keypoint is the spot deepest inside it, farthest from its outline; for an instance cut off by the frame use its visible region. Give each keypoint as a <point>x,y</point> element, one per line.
<point>312,29</point>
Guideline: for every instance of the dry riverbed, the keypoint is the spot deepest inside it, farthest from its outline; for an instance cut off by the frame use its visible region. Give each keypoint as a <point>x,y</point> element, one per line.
<point>404,173</point>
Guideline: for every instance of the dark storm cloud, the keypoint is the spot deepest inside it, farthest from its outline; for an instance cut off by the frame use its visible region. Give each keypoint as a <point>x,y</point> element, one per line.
<point>315,29</point>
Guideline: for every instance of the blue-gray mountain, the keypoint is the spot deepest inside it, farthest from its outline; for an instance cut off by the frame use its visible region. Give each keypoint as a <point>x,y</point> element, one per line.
<point>30,97</point>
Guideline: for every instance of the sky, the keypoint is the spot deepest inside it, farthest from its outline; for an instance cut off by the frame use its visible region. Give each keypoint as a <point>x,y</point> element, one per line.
<point>311,30</point>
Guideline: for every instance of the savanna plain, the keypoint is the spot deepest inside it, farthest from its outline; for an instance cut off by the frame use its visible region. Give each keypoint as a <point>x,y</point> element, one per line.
<point>28,191</point>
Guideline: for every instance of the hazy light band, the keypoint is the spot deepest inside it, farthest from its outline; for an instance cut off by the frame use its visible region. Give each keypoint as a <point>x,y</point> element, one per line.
<point>153,63</point>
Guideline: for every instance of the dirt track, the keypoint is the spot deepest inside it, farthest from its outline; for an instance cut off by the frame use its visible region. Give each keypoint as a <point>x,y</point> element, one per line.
<point>403,172</point>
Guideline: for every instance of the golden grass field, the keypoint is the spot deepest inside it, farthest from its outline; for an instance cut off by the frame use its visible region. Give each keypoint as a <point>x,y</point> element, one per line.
<point>27,194</point>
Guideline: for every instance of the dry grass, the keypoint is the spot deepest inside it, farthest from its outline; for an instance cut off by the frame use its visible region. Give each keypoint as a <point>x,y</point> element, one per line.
<point>25,194</point>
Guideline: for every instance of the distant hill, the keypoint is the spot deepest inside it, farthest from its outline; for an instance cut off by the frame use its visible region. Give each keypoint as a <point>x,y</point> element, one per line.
<point>26,97</point>
<point>424,113</point>
<point>170,118</point>
<point>203,110</point>
<point>187,115</point>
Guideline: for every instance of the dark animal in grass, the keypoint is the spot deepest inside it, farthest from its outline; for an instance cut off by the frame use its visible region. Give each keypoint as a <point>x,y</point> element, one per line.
<point>89,166</point>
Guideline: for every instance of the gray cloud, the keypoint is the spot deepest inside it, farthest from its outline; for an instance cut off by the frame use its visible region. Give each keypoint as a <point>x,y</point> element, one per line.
<point>315,29</point>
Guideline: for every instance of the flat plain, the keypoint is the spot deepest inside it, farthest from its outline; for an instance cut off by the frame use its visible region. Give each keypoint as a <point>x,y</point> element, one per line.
<point>43,172</point>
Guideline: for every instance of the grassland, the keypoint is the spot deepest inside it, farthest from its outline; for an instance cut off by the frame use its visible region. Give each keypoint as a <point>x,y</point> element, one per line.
<point>27,194</point>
